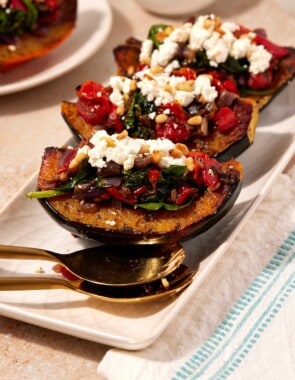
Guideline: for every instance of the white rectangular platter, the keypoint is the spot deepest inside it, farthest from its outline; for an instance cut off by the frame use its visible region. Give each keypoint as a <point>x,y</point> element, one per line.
<point>135,326</point>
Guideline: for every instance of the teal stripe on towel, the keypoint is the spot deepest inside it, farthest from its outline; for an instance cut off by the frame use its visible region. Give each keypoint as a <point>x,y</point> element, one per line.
<point>206,355</point>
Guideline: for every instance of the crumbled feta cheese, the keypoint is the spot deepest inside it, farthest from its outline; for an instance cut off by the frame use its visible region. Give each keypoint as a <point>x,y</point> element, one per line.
<point>180,34</point>
<point>259,59</point>
<point>217,39</point>
<point>125,150</point>
<point>164,54</point>
<point>146,50</point>
<point>204,88</point>
<point>216,49</point>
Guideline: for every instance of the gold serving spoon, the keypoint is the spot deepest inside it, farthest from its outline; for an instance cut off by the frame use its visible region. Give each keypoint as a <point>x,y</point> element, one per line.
<point>169,286</point>
<point>115,265</point>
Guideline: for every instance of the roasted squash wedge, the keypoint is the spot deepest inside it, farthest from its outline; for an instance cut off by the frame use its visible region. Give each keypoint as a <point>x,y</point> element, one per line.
<point>30,29</point>
<point>259,67</point>
<point>95,192</point>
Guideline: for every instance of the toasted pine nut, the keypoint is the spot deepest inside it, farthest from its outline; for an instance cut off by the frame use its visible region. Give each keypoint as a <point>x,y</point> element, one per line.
<point>167,88</point>
<point>144,149</point>
<point>157,70</point>
<point>190,163</point>
<point>161,118</point>
<point>133,85</point>
<point>110,142</point>
<point>156,157</point>
<point>77,160</point>
<point>207,23</point>
<point>186,86</point>
<point>182,147</point>
<point>122,135</point>
<point>120,110</point>
<point>176,153</point>
<point>195,120</point>
<point>130,70</point>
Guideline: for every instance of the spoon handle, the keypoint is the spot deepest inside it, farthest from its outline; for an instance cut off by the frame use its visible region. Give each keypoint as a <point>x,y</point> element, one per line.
<point>34,283</point>
<point>14,252</point>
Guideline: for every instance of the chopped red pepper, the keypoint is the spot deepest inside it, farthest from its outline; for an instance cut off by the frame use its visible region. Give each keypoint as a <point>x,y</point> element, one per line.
<point>225,119</point>
<point>93,103</point>
<point>183,194</point>
<point>274,49</point>
<point>116,193</point>
<point>261,81</point>
<point>153,176</point>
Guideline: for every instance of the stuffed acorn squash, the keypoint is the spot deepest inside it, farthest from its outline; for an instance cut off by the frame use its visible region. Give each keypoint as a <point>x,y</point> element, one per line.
<point>32,28</point>
<point>118,189</point>
<point>258,67</point>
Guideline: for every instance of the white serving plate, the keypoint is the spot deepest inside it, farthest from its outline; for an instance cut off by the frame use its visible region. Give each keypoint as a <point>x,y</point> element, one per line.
<point>94,24</point>
<point>135,326</point>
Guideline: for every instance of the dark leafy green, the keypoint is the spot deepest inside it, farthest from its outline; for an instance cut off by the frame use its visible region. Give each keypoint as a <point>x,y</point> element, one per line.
<point>16,21</point>
<point>134,120</point>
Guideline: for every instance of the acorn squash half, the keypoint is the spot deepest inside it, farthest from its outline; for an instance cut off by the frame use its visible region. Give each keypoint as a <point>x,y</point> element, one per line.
<point>117,222</point>
<point>30,30</point>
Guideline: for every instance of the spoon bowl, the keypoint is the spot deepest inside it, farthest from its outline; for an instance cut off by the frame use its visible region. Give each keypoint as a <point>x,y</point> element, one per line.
<point>118,265</point>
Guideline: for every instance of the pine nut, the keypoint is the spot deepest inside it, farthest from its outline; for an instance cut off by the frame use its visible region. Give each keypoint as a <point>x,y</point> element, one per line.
<point>182,147</point>
<point>157,70</point>
<point>161,118</point>
<point>77,160</point>
<point>190,163</point>
<point>176,153</point>
<point>195,120</point>
<point>156,157</point>
<point>120,110</point>
<point>122,135</point>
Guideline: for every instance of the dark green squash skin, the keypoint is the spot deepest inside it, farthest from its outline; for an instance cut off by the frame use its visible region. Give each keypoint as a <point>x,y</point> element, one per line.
<point>128,236</point>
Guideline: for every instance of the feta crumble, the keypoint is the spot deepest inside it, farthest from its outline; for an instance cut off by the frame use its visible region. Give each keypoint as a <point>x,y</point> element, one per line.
<point>124,151</point>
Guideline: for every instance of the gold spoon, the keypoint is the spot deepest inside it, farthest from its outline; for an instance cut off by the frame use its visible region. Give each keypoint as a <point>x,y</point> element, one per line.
<point>167,287</point>
<point>115,265</point>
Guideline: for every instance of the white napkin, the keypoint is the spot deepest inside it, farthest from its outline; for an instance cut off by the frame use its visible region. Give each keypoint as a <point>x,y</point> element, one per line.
<point>240,325</point>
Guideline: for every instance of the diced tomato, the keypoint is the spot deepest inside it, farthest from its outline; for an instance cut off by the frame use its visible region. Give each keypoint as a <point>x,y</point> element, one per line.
<point>93,103</point>
<point>18,4</point>
<point>274,49</point>
<point>230,85</point>
<point>114,121</point>
<point>173,131</point>
<point>197,174</point>
<point>90,90</point>
<point>242,30</point>
<point>175,110</point>
<point>153,176</point>
<point>223,82</point>
<point>140,190</point>
<point>225,119</point>
<point>211,178</point>
<point>116,193</point>
<point>174,128</point>
<point>183,194</point>
<point>261,81</point>
<point>185,72</point>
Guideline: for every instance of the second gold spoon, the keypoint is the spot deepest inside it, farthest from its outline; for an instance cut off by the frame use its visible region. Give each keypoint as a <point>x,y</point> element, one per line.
<point>109,265</point>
